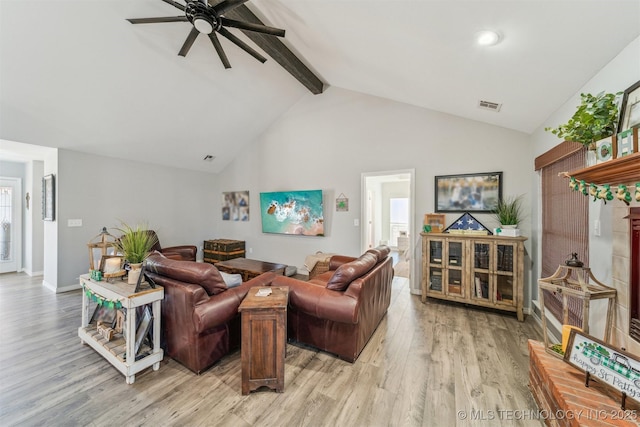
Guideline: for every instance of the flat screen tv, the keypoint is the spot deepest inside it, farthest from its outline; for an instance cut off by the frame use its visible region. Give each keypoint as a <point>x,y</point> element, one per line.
<point>292,212</point>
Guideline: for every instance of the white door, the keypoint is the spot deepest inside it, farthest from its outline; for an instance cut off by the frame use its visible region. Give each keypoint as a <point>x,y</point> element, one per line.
<point>10,224</point>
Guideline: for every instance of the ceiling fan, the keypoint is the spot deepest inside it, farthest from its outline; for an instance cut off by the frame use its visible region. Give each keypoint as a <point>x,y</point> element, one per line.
<point>209,20</point>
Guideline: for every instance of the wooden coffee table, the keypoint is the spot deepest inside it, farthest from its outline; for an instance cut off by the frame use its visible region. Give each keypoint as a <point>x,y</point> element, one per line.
<point>249,268</point>
<point>264,338</point>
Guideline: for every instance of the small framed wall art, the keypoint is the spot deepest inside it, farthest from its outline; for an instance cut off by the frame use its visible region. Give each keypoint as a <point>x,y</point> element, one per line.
<point>49,198</point>
<point>436,222</point>
<point>235,206</point>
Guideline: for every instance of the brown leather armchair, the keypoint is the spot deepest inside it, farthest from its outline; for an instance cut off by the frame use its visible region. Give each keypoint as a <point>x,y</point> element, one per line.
<point>200,319</point>
<point>180,253</point>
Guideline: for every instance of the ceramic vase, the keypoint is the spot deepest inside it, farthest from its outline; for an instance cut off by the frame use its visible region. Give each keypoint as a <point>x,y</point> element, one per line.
<point>134,273</point>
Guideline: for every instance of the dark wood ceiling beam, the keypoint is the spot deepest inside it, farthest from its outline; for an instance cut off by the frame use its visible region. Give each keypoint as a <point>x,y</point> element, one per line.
<point>277,50</point>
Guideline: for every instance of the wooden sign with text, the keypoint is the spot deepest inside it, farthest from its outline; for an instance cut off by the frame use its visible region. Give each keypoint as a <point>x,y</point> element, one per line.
<point>606,364</point>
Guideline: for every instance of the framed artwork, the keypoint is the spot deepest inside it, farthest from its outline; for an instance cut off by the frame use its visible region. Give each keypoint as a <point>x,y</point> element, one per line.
<point>474,192</point>
<point>610,366</point>
<point>104,314</point>
<point>292,212</point>
<point>436,222</point>
<point>143,328</point>
<point>342,203</point>
<point>235,206</point>
<point>49,198</point>
<point>630,109</point>
<point>110,264</point>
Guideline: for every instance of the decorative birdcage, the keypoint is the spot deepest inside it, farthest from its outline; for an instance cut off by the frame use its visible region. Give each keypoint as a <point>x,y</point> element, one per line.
<point>100,245</point>
<point>572,289</point>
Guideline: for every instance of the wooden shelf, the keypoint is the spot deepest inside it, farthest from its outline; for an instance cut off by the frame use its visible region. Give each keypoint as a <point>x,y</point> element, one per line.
<point>618,171</point>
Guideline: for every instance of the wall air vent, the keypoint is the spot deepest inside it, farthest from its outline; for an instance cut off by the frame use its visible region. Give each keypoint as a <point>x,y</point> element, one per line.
<point>488,105</point>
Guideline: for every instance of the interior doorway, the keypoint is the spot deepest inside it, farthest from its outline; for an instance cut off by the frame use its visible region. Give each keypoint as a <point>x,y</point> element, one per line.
<point>388,214</point>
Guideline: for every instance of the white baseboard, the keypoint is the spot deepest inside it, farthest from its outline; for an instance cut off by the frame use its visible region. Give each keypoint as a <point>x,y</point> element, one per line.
<point>59,290</point>
<point>33,273</point>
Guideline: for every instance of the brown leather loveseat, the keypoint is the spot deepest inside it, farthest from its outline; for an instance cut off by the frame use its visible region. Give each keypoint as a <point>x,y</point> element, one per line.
<point>339,310</point>
<point>200,320</point>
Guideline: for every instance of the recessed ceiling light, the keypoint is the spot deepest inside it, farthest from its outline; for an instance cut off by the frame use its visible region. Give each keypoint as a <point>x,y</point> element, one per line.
<point>487,38</point>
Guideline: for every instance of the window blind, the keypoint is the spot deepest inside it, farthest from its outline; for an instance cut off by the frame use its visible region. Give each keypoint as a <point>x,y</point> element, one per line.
<point>565,228</point>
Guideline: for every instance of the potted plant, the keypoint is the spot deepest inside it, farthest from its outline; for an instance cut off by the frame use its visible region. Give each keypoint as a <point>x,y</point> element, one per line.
<point>594,120</point>
<point>135,245</point>
<point>509,212</point>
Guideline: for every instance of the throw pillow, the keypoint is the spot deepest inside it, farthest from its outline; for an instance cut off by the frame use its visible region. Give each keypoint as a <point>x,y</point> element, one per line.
<point>348,272</point>
<point>232,280</point>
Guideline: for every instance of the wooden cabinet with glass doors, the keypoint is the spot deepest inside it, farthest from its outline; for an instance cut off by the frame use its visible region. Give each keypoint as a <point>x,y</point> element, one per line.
<point>479,270</point>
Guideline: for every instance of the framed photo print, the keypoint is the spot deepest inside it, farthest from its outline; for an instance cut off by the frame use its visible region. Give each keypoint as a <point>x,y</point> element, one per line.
<point>474,192</point>
<point>104,314</point>
<point>49,198</point>
<point>436,222</point>
<point>110,264</point>
<point>630,109</point>
<point>144,325</point>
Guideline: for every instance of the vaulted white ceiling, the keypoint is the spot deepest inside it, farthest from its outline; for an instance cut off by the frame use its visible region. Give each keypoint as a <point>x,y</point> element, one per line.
<point>77,75</point>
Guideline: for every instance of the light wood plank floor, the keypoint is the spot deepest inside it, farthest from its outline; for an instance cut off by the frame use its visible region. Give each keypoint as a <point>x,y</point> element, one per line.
<point>424,364</point>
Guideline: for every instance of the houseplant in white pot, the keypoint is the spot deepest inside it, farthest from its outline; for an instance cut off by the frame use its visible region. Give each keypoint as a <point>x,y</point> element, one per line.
<point>509,213</point>
<point>595,119</point>
<point>135,245</point>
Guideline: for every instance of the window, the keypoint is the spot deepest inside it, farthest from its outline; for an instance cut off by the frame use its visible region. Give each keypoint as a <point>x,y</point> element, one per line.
<point>398,218</point>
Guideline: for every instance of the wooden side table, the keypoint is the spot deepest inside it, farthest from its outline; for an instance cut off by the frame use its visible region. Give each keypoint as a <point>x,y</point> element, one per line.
<point>120,352</point>
<point>264,339</point>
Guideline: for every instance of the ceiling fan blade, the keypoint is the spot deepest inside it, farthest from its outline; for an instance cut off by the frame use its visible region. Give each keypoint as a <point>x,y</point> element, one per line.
<point>155,20</point>
<point>227,5</point>
<point>189,42</point>
<point>252,27</point>
<point>173,3</point>
<point>221,54</point>
<point>242,45</point>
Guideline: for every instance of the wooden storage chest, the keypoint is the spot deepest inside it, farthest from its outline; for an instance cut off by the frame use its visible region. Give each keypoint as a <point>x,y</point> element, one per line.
<point>223,250</point>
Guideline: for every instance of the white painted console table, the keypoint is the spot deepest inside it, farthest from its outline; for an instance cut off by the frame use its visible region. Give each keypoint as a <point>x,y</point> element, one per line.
<point>120,350</point>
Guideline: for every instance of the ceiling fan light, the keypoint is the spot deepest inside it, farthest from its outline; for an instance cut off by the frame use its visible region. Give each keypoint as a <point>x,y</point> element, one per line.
<point>202,25</point>
<point>487,38</point>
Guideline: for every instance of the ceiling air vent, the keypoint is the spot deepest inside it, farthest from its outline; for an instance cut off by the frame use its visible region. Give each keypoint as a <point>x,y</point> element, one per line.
<point>488,105</point>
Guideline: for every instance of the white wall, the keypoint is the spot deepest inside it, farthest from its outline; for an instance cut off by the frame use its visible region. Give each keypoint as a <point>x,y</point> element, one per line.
<point>327,141</point>
<point>52,247</point>
<point>34,226</point>
<point>101,191</point>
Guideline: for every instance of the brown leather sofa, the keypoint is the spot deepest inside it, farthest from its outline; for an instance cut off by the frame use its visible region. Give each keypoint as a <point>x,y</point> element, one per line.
<point>339,310</point>
<point>200,320</point>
